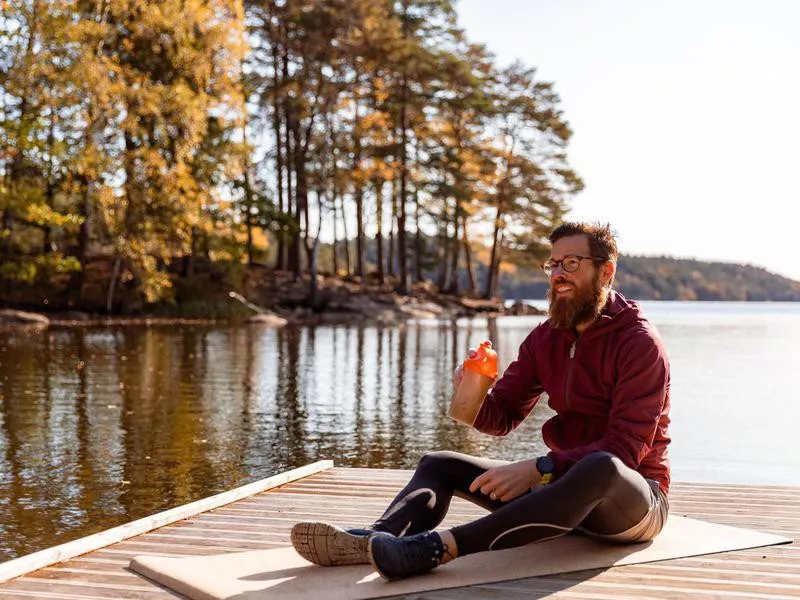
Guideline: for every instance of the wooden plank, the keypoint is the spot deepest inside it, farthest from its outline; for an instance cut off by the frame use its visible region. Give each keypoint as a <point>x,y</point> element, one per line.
<point>143,591</point>
<point>37,560</point>
<point>355,496</point>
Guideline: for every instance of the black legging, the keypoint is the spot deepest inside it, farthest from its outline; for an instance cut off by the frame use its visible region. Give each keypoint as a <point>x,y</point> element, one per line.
<point>598,494</point>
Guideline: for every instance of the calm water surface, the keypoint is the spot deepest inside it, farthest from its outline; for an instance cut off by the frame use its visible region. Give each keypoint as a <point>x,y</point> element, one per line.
<point>102,426</point>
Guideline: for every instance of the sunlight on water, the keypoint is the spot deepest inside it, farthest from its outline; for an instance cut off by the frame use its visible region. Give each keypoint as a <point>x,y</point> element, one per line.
<point>102,426</point>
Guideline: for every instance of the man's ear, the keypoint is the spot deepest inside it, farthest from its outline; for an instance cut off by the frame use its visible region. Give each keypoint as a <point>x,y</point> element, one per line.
<point>608,270</point>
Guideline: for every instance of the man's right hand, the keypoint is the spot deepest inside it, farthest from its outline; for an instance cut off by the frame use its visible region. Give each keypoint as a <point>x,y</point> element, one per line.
<point>458,374</point>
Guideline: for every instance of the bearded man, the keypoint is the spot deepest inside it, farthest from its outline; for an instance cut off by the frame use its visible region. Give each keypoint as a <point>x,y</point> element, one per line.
<point>606,374</point>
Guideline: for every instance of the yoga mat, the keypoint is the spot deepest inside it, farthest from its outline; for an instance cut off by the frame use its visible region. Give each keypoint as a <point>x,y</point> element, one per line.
<point>282,573</point>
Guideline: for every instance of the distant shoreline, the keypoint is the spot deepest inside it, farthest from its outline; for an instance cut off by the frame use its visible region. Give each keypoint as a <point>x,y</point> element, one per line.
<point>382,315</point>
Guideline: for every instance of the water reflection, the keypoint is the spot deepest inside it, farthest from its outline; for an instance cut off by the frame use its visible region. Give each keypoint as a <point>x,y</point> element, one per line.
<point>102,426</point>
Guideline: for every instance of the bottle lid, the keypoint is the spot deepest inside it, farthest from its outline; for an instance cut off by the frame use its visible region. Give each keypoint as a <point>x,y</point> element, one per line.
<point>484,361</point>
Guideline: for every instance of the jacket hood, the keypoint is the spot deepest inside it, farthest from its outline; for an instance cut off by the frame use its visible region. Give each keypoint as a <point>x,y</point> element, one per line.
<point>617,312</point>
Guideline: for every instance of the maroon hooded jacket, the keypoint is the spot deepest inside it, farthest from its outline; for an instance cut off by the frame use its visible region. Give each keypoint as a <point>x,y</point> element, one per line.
<point>609,388</point>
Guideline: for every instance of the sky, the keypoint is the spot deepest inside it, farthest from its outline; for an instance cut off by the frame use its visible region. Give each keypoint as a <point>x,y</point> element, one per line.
<point>686,116</point>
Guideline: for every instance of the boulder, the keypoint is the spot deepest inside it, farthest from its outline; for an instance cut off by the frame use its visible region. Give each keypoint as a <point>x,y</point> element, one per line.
<point>431,307</point>
<point>26,319</point>
<point>270,319</point>
<point>418,312</point>
<point>519,308</point>
<point>481,305</point>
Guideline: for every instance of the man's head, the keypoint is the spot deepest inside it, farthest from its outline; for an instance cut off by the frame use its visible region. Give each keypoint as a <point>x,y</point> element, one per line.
<point>581,267</point>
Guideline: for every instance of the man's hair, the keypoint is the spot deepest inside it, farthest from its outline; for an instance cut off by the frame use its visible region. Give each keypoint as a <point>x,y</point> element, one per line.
<point>602,240</point>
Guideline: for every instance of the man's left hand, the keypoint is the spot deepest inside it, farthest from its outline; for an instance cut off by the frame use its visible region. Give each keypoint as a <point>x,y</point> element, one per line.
<point>507,482</point>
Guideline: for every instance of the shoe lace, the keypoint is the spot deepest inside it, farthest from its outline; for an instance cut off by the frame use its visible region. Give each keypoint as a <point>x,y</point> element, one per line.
<point>426,549</point>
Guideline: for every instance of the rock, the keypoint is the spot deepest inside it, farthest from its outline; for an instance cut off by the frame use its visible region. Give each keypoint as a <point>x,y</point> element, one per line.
<point>481,305</point>
<point>430,307</point>
<point>270,319</point>
<point>519,308</point>
<point>27,319</point>
<point>416,311</point>
<point>72,316</point>
<point>356,304</point>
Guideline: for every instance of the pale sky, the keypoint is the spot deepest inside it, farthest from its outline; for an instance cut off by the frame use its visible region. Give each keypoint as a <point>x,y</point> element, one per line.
<point>686,116</point>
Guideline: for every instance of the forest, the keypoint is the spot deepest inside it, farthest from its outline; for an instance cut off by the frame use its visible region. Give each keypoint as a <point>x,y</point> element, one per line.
<point>166,139</point>
<point>669,278</point>
<point>156,154</point>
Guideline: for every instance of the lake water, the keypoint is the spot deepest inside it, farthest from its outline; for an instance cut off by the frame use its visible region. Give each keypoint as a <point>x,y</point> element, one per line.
<point>102,426</point>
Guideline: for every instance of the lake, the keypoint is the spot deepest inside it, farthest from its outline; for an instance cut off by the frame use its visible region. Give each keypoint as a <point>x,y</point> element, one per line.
<point>100,426</point>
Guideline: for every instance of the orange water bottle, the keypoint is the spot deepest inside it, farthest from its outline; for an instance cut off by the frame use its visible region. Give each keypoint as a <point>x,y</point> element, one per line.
<point>479,373</point>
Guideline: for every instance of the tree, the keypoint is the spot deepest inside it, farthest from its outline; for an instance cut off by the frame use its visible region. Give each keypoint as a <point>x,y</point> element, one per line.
<point>36,210</point>
<point>532,178</point>
<point>157,72</point>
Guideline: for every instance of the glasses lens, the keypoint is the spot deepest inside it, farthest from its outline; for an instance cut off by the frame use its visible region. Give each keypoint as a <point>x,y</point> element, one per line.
<point>571,264</point>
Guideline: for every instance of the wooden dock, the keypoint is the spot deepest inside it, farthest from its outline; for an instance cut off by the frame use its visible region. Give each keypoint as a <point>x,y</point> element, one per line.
<point>260,516</point>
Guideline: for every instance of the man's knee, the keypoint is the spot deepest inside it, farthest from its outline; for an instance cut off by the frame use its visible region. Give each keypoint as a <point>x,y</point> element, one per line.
<point>600,466</point>
<point>434,459</point>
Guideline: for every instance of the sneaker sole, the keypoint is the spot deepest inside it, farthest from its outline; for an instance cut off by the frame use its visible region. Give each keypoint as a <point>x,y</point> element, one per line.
<point>329,546</point>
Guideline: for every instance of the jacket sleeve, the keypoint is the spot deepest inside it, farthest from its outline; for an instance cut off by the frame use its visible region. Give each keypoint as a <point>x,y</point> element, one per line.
<point>637,402</point>
<point>514,395</point>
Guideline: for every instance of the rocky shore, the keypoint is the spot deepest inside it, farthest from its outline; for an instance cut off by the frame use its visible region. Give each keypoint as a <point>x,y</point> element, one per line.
<point>278,301</point>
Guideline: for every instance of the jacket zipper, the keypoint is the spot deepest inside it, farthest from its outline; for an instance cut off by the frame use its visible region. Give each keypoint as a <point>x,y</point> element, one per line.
<point>569,372</point>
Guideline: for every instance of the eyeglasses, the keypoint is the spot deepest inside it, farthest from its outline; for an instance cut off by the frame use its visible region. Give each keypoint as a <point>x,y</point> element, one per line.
<point>569,263</point>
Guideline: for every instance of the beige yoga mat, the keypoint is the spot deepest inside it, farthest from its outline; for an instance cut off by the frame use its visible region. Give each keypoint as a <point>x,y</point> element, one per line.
<point>282,573</point>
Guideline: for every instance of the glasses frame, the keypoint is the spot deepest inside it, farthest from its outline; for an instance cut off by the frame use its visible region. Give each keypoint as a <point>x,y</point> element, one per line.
<point>551,265</point>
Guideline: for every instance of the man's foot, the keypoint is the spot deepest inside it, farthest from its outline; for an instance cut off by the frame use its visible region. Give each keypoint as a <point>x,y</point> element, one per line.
<point>395,558</point>
<point>331,546</point>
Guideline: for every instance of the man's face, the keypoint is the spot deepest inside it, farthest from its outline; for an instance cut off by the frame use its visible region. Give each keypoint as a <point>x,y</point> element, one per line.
<point>575,298</point>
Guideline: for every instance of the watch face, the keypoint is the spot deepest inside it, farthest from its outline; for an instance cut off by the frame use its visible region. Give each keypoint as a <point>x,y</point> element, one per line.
<point>544,465</point>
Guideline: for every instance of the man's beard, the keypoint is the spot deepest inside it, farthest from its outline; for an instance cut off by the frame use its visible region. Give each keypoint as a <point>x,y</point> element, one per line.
<point>586,305</point>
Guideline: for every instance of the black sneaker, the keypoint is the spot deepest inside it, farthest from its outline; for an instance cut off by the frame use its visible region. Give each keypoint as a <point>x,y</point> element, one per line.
<point>331,546</point>
<point>395,558</point>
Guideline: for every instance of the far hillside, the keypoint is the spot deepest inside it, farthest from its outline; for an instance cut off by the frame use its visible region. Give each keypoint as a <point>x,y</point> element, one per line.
<point>665,278</point>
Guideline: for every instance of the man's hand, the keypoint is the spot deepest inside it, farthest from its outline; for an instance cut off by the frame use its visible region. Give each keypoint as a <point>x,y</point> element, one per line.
<point>458,374</point>
<point>507,482</point>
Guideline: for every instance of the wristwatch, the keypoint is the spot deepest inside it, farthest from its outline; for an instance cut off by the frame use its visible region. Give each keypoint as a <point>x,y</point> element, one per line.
<point>545,466</point>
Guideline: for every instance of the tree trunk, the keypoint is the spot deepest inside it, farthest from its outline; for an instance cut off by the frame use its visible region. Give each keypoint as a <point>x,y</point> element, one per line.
<point>293,252</point>
<point>280,262</point>
<point>301,189</point>
<point>379,184</point>
<point>391,267</point>
<point>467,254</point>
<point>496,279</point>
<point>248,201</point>
<point>402,285</point>
<point>248,195</point>
<point>453,244</point>
<point>334,244</point>
<point>491,272</point>
<point>441,250</point>
<point>313,255</point>
<point>418,274</point>
<point>347,260</point>
<point>359,192</point>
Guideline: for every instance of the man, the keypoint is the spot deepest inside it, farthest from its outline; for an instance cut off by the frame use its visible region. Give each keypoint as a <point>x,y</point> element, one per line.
<point>606,373</point>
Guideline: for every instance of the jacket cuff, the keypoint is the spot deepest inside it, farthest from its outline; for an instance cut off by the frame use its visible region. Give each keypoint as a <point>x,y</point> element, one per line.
<point>559,463</point>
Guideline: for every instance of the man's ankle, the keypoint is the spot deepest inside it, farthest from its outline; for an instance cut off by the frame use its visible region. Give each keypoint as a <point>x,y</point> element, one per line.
<point>449,544</point>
